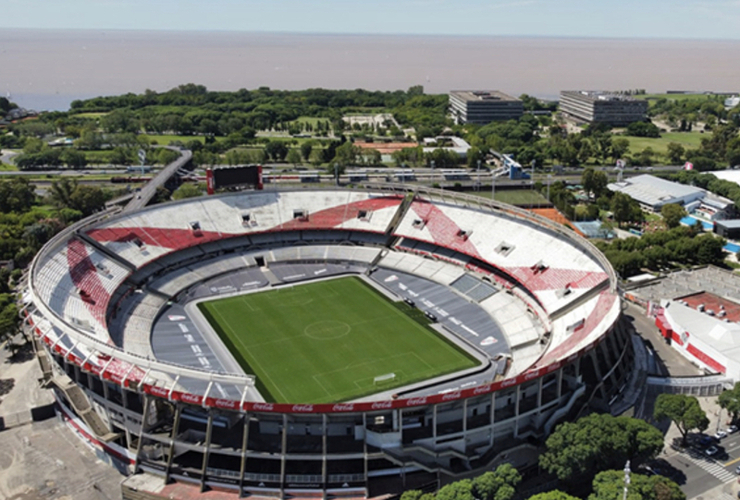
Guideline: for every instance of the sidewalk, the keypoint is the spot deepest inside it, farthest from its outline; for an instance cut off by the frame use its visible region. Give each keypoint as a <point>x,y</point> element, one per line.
<point>717,417</point>
<point>21,377</point>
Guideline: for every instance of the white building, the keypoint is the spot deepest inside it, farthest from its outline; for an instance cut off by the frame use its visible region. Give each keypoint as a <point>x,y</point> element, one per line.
<point>653,192</point>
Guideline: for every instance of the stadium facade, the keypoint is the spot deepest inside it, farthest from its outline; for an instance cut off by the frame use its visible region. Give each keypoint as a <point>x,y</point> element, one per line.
<point>108,301</point>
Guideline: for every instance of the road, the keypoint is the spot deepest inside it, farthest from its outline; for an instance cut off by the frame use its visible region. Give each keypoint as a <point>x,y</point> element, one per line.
<point>697,473</point>
<point>691,469</point>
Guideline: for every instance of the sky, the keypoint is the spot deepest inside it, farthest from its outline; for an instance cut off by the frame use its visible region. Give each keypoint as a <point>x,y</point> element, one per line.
<point>703,19</point>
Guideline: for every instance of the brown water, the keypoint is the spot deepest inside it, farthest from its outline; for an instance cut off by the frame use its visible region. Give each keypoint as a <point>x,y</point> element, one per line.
<point>48,69</point>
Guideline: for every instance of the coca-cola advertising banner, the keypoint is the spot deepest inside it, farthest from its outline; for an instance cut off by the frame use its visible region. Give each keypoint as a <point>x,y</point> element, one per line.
<point>122,373</point>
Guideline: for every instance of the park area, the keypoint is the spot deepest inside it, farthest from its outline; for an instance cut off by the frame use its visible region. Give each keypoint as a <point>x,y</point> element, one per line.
<point>329,341</point>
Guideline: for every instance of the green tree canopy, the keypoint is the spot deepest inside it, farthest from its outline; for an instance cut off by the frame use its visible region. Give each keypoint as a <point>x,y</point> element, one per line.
<point>730,401</point>
<point>187,190</point>
<point>672,214</point>
<point>594,182</point>
<point>553,495</point>
<point>576,451</point>
<point>16,195</point>
<point>609,485</point>
<point>683,410</point>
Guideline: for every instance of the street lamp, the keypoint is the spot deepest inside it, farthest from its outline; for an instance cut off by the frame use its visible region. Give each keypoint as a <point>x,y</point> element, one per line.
<point>626,478</point>
<point>477,184</point>
<point>549,176</point>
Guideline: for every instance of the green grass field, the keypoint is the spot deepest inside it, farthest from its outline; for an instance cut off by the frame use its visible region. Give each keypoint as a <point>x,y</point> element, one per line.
<point>689,140</point>
<point>514,196</point>
<point>326,341</point>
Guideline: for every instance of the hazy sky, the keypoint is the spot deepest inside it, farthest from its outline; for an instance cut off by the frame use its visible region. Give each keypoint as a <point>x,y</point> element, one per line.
<point>583,18</point>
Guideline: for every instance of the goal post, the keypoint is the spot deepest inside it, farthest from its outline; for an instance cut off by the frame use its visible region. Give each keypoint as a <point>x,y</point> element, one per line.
<point>382,379</point>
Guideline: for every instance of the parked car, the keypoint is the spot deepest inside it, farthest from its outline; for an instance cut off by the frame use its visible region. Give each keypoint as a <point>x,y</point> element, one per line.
<point>711,451</point>
<point>706,441</point>
<point>732,429</point>
<point>720,435</point>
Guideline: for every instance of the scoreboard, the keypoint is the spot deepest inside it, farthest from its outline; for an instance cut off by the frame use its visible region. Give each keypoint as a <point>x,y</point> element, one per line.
<point>234,177</point>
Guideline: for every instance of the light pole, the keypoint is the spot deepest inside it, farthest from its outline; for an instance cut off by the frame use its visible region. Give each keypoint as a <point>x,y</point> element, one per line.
<point>549,176</point>
<point>477,184</point>
<point>493,186</point>
<point>626,478</point>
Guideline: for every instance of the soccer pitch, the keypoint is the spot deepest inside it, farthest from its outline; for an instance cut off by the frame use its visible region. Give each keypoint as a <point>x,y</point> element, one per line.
<point>327,341</point>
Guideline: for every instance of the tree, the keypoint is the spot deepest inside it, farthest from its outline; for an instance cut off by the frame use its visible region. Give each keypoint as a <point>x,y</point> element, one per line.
<point>642,129</point>
<point>459,490</point>
<point>276,150</point>
<point>293,157</point>
<point>730,401</point>
<point>61,191</point>
<point>87,199</point>
<point>10,320</point>
<point>553,495</point>
<point>594,182</point>
<point>620,146</point>
<point>609,485</point>
<point>187,190</point>
<point>675,152</point>
<point>683,410</point>
<point>344,155</point>
<point>497,485</point>
<point>672,214</point>
<point>411,495</point>
<point>73,158</point>
<point>576,451</point>
<point>16,195</point>
<point>621,207</point>
<point>306,149</point>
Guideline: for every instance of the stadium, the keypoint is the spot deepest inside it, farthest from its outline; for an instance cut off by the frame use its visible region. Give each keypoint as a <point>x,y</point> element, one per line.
<point>323,342</point>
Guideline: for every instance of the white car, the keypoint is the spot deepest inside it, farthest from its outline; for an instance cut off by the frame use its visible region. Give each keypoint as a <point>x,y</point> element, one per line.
<point>711,451</point>
<point>732,429</point>
<point>720,435</point>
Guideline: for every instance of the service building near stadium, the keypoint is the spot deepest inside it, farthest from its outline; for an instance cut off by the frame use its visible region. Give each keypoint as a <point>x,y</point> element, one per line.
<point>142,376</point>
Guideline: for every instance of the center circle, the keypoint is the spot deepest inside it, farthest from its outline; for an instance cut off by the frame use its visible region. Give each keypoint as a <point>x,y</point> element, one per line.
<point>327,330</point>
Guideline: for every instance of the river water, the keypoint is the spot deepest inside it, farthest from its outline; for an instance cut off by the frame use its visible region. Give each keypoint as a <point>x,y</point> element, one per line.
<point>47,69</point>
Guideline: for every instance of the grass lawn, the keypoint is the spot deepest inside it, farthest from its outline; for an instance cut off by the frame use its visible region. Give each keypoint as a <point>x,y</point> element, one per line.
<point>660,144</point>
<point>165,139</point>
<point>90,114</point>
<point>7,167</point>
<point>514,196</point>
<point>677,97</point>
<point>326,341</point>
<point>313,120</point>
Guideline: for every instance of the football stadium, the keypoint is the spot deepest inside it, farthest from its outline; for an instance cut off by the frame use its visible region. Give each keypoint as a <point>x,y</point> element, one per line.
<point>323,342</point>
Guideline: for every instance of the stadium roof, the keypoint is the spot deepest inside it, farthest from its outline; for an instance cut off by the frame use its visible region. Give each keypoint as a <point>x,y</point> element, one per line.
<point>654,191</point>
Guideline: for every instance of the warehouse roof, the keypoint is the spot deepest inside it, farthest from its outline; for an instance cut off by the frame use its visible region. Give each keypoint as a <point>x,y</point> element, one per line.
<point>653,191</point>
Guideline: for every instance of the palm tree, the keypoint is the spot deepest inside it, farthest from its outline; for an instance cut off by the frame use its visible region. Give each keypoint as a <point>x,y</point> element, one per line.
<point>61,191</point>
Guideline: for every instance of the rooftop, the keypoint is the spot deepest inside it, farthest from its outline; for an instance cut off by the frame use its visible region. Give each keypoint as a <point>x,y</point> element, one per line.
<point>482,95</point>
<point>652,190</point>
<point>600,95</point>
<point>729,224</point>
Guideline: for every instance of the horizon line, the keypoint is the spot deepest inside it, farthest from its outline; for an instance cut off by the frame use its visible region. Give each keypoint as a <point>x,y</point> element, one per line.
<point>370,34</point>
